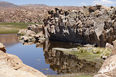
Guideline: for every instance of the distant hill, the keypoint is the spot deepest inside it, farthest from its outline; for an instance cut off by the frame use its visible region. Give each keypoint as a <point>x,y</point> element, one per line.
<point>34,5</point>
<point>7,4</point>
<point>34,13</point>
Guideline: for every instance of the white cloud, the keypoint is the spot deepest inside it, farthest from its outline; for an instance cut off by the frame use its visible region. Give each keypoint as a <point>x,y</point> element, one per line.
<point>83,3</point>
<point>103,2</point>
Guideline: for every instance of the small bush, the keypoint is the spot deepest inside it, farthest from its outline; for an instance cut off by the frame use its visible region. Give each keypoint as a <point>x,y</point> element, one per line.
<point>78,47</point>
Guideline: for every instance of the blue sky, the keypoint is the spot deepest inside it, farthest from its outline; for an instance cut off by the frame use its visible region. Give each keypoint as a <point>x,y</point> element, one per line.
<point>64,2</point>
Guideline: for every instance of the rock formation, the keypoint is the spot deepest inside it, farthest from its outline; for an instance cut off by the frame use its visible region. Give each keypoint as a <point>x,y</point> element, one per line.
<point>12,66</point>
<point>32,33</point>
<point>108,68</point>
<point>94,25</point>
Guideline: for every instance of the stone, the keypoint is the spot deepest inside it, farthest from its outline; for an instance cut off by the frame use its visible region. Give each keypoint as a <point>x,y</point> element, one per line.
<point>22,32</point>
<point>36,28</point>
<point>25,38</point>
<point>92,8</point>
<point>37,36</point>
<point>72,14</point>
<point>114,48</point>
<point>101,75</point>
<point>28,32</point>
<point>31,33</point>
<point>108,68</point>
<point>109,46</point>
<point>97,13</point>
<point>86,11</point>
<point>2,47</point>
<point>108,24</point>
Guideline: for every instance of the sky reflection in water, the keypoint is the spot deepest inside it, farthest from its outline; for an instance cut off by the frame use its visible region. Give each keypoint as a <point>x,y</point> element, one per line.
<point>53,61</point>
<point>29,54</point>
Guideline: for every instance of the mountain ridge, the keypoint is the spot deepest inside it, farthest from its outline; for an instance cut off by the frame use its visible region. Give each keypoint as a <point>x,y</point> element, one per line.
<point>7,4</point>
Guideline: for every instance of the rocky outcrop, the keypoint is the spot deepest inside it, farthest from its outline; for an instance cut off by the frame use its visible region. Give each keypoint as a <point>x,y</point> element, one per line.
<point>12,66</point>
<point>32,33</point>
<point>36,28</point>
<point>108,68</point>
<point>94,25</point>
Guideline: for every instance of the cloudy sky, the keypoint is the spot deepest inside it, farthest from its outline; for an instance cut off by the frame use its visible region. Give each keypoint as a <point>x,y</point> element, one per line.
<point>64,2</point>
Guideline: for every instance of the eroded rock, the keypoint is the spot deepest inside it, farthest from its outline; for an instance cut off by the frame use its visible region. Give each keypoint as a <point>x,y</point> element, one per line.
<point>108,68</point>
<point>31,34</point>
<point>94,25</point>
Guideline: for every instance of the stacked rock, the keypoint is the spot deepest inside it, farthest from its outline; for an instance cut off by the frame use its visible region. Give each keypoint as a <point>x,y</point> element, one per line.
<point>94,25</point>
<point>31,34</point>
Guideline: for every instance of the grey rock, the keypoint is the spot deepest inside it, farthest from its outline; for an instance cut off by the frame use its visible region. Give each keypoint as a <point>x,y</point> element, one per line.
<point>108,68</point>
<point>94,25</point>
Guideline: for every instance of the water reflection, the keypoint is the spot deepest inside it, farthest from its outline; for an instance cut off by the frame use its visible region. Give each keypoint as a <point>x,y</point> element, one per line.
<point>44,56</point>
<point>66,63</point>
<point>8,39</point>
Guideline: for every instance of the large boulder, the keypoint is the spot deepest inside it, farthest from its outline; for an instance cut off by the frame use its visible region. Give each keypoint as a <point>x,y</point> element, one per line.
<point>108,68</point>
<point>28,32</point>
<point>108,45</point>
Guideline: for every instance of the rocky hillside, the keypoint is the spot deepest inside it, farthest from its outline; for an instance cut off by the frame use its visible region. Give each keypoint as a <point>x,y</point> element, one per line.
<point>33,13</point>
<point>94,24</point>
<point>31,5</point>
<point>7,4</point>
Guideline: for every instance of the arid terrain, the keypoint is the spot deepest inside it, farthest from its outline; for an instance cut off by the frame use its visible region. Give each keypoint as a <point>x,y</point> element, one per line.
<point>89,33</point>
<point>33,13</point>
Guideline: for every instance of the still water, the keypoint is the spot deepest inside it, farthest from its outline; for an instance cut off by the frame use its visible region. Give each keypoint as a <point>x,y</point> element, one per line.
<point>41,56</point>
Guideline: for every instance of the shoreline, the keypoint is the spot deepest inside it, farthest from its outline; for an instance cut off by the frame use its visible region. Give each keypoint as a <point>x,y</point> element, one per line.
<point>11,65</point>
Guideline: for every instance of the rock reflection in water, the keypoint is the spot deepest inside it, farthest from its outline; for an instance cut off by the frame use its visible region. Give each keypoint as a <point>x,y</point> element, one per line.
<point>8,39</point>
<point>66,63</point>
<point>39,44</point>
